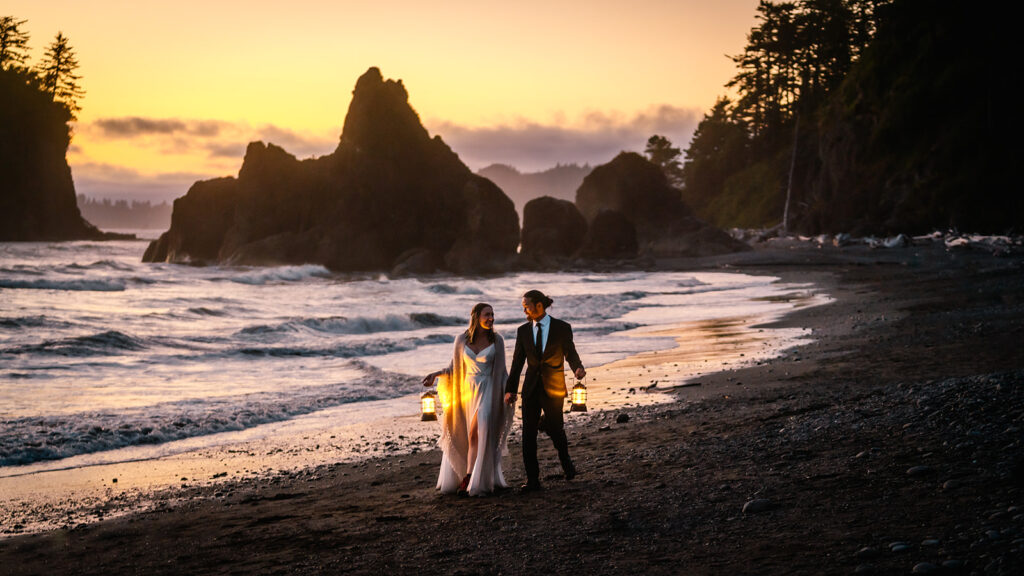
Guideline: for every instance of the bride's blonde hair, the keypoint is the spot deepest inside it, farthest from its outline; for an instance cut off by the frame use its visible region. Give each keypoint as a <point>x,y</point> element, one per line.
<point>474,322</point>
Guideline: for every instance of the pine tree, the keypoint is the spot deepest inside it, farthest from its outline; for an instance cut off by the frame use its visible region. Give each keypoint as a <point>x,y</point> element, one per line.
<point>719,148</point>
<point>660,152</point>
<point>57,74</point>
<point>13,43</point>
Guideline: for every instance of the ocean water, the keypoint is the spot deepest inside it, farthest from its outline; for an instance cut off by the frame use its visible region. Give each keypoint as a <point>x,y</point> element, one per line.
<point>99,351</point>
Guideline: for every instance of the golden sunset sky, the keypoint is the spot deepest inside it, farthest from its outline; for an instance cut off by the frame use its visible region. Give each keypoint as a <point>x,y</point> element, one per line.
<point>175,90</point>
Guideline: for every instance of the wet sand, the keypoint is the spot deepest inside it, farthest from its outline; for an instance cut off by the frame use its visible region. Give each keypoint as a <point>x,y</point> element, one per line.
<point>892,440</point>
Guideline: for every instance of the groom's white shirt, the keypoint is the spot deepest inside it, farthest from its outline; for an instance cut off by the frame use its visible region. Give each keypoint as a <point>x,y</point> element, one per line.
<point>545,322</point>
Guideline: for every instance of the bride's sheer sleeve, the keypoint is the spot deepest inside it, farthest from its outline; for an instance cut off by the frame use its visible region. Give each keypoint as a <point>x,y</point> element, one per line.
<point>507,411</point>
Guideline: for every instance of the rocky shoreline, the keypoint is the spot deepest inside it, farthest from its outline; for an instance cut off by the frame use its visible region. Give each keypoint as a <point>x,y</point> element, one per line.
<point>891,444</point>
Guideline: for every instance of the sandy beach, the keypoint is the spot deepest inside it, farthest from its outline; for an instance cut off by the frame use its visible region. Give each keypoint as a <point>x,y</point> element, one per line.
<point>890,443</point>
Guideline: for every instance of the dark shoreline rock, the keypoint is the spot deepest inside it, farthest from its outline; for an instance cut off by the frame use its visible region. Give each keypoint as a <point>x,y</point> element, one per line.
<point>637,192</point>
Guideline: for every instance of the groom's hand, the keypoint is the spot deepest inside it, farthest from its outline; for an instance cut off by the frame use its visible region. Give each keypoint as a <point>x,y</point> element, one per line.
<point>581,373</point>
<point>510,398</point>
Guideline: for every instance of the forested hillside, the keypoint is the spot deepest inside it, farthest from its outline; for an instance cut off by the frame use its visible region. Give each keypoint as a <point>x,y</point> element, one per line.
<point>871,116</point>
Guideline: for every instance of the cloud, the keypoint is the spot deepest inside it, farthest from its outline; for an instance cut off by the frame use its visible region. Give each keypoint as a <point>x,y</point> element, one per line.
<point>301,145</point>
<point>210,138</point>
<point>594,139</point>
<point>134,126</point>
<point>101,180</point>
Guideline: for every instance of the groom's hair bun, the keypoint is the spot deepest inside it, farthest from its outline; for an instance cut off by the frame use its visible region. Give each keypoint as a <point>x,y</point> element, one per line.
<point>536,296</point>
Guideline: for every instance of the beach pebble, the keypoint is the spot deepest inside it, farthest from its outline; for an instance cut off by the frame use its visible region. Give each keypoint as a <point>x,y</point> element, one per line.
<point>953,564</point>
<point>919,471</point>
<point>622,418</point>
<point>867,553</point>
<point>930,542</point>
<point>757,505</point>
<point>951,484</point>
<point>924,568</point>
<point>864,569</point>
<point>899,547</point>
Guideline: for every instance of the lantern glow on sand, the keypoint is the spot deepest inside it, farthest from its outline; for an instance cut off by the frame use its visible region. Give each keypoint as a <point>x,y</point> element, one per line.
<point>579,398</point>
<point>428,406</point>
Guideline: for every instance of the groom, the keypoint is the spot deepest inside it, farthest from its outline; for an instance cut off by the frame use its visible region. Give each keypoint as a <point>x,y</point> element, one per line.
<point>543,344</point>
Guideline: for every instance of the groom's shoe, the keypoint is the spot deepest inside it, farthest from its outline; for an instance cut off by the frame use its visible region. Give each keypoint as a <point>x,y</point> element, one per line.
<point>530,486</point>
<point>570,470</point>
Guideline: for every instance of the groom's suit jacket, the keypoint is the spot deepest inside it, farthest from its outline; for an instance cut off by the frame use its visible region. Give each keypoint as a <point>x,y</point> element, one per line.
<point>546,371</point>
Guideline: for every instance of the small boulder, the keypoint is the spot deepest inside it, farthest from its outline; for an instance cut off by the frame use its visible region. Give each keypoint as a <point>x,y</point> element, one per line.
<point>757,505</point>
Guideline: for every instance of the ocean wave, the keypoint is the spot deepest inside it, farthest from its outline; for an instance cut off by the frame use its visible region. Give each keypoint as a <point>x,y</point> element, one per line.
<point>690,282</point>
<point>27,440</point>
<point>604,328</point>
<point>143,280</point>
<point>359,324</point>
<point>705,288</point>
<point>104,343</point>
<point>83,285</point>
<point>282,274</point>
<point>29,269</point>
<point>23,322</point>
<point>377,347</point>
<point>101,265</point>
<point>204,311</point>
<point>449,289</point>
<point>613,278</point>
<point>596,307</point>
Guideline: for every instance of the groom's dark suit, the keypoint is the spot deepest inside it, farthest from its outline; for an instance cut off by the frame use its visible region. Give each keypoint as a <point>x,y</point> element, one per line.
<point>543,389</point>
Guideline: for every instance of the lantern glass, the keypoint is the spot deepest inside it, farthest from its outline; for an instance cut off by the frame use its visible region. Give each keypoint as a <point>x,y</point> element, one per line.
<point>579,398</point>
<point>428,406</point>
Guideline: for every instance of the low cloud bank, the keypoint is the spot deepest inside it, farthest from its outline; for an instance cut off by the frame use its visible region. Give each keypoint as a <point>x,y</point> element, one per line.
<point>209,138</point>
<point>595,139</point>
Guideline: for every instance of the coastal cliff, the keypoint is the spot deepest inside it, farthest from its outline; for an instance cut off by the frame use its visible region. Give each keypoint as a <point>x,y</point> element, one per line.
<point>389,197</point>
<point>37,194</point>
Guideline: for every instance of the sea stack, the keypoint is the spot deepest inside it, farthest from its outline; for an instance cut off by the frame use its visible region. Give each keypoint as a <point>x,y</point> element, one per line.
<point>389,197</point>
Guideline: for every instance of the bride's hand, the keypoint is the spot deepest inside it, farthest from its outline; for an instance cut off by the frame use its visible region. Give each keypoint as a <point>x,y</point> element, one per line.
<point>428,380</point>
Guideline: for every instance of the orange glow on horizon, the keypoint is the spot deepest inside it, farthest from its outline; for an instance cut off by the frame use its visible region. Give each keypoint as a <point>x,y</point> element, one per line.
<point>293,66</point>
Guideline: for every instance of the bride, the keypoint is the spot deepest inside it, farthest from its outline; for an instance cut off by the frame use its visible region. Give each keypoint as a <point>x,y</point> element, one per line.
<point>475,421</point>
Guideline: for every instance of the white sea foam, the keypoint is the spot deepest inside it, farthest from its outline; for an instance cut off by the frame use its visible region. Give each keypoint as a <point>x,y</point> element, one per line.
<point>98,285</point>
<point>282,274</point>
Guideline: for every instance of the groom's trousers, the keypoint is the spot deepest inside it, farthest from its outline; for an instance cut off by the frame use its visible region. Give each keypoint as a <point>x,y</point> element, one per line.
<point>533,405</point>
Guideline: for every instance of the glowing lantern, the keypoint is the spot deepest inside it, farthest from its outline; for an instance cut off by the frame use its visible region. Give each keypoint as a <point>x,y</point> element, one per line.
<point>428,406</point>
<point>579,398</point>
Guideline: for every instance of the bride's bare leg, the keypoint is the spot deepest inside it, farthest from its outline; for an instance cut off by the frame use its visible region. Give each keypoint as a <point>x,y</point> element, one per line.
<point>473,443</point>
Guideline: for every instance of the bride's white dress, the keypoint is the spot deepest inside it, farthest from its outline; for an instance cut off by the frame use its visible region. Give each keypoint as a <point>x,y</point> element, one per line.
<point>472,397</point>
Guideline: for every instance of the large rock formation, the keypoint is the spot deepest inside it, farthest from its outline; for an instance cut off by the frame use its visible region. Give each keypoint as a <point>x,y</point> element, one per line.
<point>552,227</point>
<point>639,193</point>
<point>389,197</point>
<point>611,235</point>
<point>37,195</point>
